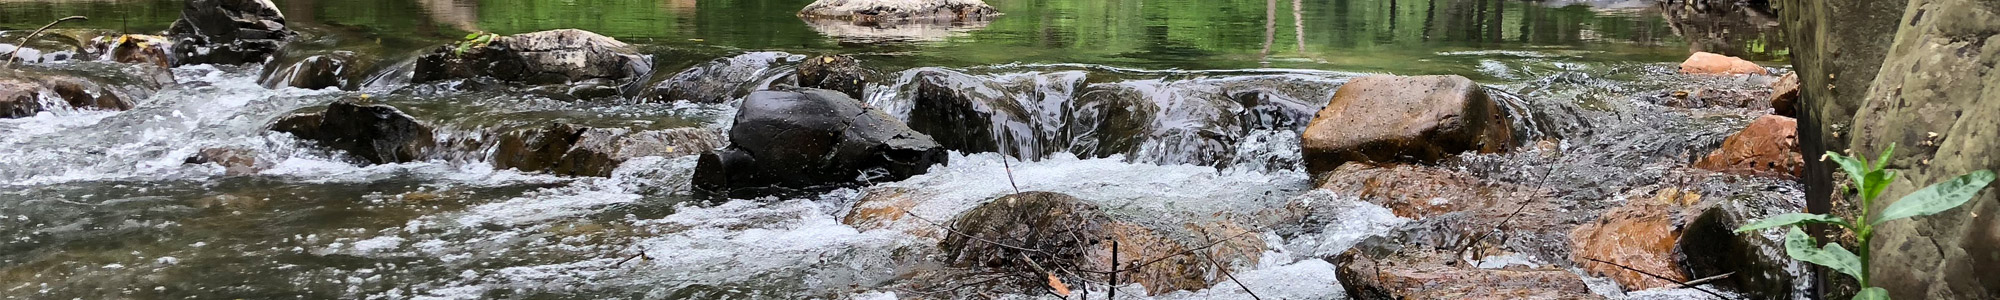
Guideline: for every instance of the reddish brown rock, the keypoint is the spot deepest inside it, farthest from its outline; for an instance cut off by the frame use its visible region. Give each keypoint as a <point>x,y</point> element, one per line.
<point>235,161</point>
<point>888,208</point>
<point>1418,192</point>
<point>1704,63</point>
<point>1404,119</point>
<point>1768,147</point>
<point>1785,95</point>
<point>1641,235</point>
<point>134,49</point>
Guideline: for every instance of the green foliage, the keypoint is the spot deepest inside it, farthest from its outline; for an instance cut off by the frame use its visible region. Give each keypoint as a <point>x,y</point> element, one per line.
<point>474,40</point>
<point>1869,181</point>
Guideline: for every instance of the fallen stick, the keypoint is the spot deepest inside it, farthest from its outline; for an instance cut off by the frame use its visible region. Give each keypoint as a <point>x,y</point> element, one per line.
<point>24,40</point>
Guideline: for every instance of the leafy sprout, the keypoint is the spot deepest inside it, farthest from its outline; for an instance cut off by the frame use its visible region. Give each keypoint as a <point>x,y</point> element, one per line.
<point>474,40</point>
<point>1870,179</point>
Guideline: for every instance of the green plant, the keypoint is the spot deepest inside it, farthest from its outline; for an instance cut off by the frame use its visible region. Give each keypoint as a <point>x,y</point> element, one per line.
<point>474,40</point>
<point>1870,179</point>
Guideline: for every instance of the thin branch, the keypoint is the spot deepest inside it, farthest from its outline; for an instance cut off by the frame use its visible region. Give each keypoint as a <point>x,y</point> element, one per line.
<point>11,55</point>
<point>642,254</point>
<point>1650,274</point>
<point>1232,277</point>
<point>948,229</point>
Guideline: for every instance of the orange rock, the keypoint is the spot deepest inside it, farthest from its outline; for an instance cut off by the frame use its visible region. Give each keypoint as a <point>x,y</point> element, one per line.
<point>1640,235</point>
<point>1784,93</point>
<point>888,208</point>
<point>1768,147</point>
<point>1704,63</point>
<point>1419,119</point>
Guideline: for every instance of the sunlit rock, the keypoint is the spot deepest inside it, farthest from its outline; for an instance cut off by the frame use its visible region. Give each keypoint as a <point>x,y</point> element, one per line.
<point>50,46</point>
<point>1370,272</point>
<point>840,73</point>
<point>1404,119</point>
<point>896,20</point>
<point>234,161</point>
<point>376,133</point>
<point>1419,192</point>
<point>799,141</point>
<point>1704,63</point>
<point>1071,236</point>
<point>1640,235</point>
<point>848,31</point>
<point>722,79</point>
<point>228,32</point>
<point>570,149</point>
<point>135,49</point>
<point>558,58</point>
<point>1768,147</point>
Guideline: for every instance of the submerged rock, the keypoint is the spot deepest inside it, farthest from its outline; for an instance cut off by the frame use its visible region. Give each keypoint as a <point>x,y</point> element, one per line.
<point>1404,119</point>
<point>1419,192</point>
<point>84,93</point>
<point>377,133</point>
<point>890,12</point>
<point>228,32</point>
<point>799,141</point>
<point>47,47</point>
<point>569,149</point>
<point>840,73</point>
<point>723,79</point>
<point>1704,63</point>
<point>337,69</point>
<point>560,57</point>
<point>1768,147</point>
<point>234,161</point>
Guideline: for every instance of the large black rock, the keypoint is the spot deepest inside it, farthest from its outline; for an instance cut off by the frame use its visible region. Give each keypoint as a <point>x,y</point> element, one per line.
<point>377,133</point>
<point>228,32</point>
<point>586,64</point>
<point>798,141</point>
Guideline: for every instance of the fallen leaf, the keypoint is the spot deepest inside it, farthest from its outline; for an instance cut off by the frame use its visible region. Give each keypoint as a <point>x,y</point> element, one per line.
<point>1057,284</point>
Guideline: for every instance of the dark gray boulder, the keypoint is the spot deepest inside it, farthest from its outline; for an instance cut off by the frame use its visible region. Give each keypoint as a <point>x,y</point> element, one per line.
<point>562,58</point>
<point>799,141</point>
<point>722,79</point>
<point>335,69</point>
<point>376,133</point>
<point>228,32</point>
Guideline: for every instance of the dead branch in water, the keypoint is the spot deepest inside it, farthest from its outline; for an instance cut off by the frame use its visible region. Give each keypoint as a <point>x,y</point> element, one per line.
<point>1684,284</point>
<point>31,36</point>
<point>1232,277</point>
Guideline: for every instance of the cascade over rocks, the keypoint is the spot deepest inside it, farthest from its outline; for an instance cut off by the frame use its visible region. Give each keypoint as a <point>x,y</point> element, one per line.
<point>21,89</point>
<point>722,79</point>
<point>553,59</point>
<point>377,133</point>
<point>135,49</point>
<point>799,141</point>
<point>234,161</point>
<point>228,32</point>
<point>569,149</point>
<point>1404,119</point>
<point>1768,147</point>
<point>50,46</point>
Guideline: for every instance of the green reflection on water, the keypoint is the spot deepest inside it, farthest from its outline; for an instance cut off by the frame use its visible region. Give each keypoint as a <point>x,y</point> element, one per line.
<point>1396,36</point>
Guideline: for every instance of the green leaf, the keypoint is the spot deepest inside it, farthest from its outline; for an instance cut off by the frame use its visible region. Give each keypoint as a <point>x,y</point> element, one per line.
<point>1883,161</point>
<point>1875,181</point>
<point>1938,197</point>
<point>1872,293</point>
<point>1855,169</point>
<point>474,34</point>
<point>1799,246</point>
<point>1793,219</point>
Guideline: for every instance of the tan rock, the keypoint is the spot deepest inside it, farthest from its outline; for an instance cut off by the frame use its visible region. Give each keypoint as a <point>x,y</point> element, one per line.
<point>1641,235</point>
<point>1404,119</point>
<point>1704,63</point>
<point>1785,95</point>
<point>1424,274</point>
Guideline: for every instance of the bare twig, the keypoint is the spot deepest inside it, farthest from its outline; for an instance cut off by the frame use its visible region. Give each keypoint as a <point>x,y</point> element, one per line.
<point>1114,271</point>
<point>1232,277</point>
<point>1544,181</point>
<point>952,231</point>
<point>1190,251</point>
<point>9,61</point>
<point>641,255</point>
<point>1010,173</point>
<point>1687,284</point>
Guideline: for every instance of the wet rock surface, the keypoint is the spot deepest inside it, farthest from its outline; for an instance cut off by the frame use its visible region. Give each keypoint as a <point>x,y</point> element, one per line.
<point>135,49</point>
<point>1043,233</point>
<point>19,98</point>
<point>1785,95</point>
<point>228,32</point>
<point>1768,147</point>
<point>335,69</point>
<point>724,79</point>
<point>839,73</point>
<point>570,149</point>
<point>377,134</point>
<point>48,47</point>
<point>1380,268</point>
<point>555,59</point>
<point>1404,119</point>
<point>235,161</point>
<point>791,141</point>
<point>1640,235</point>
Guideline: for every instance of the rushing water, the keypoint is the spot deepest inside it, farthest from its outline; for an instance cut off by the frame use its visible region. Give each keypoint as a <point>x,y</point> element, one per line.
<point>100,204</point>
